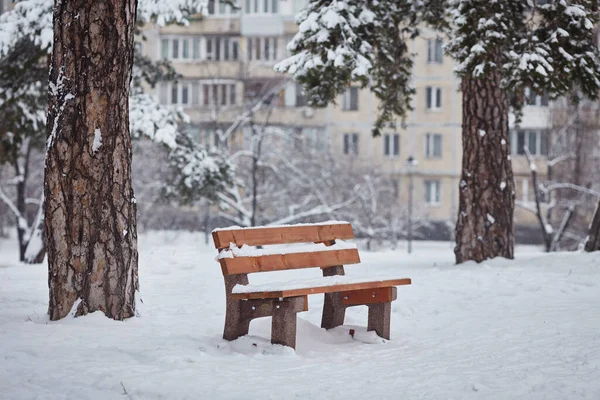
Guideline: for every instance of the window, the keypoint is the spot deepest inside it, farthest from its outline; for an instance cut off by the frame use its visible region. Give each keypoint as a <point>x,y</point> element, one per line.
<point>351,143</point>
<point>232,97</point>
<point>391,145</point>
<point>433,145</point>
<point>196,48</point>
<point>185,51</point>
<point>534,99</point>
<point>262,48</point>
<point>433,98</point>
<point>175,92</point>
<point>221,48</point>
<point>218,8</point>
<point>192,93</point>
<point>535,140</point>
<point>176,49</point>
<point>165,49</point>
<point>262,6</point>
<point>350,99</point>
<point>435,53</point>
<point>432,192</point>
<point>209,49</point>
<point>300,98</point>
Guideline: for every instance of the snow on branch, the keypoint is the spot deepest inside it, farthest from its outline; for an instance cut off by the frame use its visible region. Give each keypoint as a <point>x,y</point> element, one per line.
<point>30,19</point>
<point>148,118</point>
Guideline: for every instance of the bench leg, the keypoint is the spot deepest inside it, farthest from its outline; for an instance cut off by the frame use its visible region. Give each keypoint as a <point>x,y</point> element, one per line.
<point>235,323</point>
<point>283,326</point>
<point>379,319</point>
<point>333,311</point>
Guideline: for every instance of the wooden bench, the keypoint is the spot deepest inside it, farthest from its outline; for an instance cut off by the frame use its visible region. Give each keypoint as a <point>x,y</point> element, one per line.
<point>325,249</point>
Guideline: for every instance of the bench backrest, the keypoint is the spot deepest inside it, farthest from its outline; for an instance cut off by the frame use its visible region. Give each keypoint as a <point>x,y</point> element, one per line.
<point>237,260</point>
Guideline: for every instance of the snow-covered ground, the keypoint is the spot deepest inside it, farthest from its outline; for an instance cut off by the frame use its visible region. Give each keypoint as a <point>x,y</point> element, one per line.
<point>526,329</point>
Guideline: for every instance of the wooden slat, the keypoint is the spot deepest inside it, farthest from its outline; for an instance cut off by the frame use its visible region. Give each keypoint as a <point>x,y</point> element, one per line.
<point>278,262</point>
<point>321,289</point>
<point>282,235</point>
<point>369,296</point>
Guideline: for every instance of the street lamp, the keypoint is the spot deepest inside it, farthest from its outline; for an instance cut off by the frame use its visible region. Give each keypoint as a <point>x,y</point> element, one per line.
<point>411,165</point>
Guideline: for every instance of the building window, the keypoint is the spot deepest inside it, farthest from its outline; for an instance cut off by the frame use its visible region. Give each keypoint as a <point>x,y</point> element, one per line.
<point>177,93</point>
<point>433,145</point>
<point>432,192</point>
<point>165,49</point>
<point>533,99</point>
<point>535,140</point>
<point>262,6</point>
<point>300,98</point>
<point>220,9</point>
<point>391,144</point>
<point>350,99</point>
<point>351,143</point>
<point>435,53</point>
<point>219,48</point>
<point>262,48</point>
<point>191,93</point>
<point>433,98</point>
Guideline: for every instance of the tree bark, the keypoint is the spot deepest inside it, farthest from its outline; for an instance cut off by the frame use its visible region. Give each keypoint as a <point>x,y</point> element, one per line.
<point>90,207</point>
<point>484,228</point>
<point>593,241</point>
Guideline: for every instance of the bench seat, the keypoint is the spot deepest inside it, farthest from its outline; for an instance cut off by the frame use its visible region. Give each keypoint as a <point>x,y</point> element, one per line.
<point>302,287</point>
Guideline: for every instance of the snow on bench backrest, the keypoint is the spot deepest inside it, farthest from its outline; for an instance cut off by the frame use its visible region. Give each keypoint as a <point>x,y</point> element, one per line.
<point>322,246</point>
<point>282,234</point>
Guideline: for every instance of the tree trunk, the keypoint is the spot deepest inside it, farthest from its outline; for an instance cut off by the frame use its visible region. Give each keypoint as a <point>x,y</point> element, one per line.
<point>593,241</point>
<point>90,208</point>
<point>21,222</point>
<point>485,219</point>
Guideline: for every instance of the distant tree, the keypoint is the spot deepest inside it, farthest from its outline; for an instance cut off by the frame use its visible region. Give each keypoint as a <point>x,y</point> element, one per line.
<point>500,47</point>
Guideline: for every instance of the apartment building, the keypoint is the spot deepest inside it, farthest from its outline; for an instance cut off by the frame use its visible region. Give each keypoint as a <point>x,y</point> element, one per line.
<point>227,59</point>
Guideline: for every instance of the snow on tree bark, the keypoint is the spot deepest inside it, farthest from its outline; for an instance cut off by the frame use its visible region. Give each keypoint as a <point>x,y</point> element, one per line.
<point>90,212</point>
<point>484,228</point>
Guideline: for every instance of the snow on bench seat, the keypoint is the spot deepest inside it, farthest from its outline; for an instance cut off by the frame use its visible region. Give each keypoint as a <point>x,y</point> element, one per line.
<point>301,287</point>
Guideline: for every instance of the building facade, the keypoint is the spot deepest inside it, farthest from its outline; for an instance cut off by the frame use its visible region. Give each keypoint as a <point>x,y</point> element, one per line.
<point>226,59</point>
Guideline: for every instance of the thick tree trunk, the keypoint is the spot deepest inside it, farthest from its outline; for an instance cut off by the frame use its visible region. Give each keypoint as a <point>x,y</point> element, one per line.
<point>593,241</point>
<point>90,208</point>
<point>485,218</point>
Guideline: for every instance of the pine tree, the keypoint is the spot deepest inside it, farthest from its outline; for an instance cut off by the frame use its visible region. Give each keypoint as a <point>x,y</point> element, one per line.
<point>501,47</point>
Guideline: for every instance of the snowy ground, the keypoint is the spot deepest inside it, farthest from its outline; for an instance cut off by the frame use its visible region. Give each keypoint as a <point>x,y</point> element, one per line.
<point>526,329</point>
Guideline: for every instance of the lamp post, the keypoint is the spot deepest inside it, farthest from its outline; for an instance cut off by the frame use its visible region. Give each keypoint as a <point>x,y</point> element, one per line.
<point>411,164</point>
